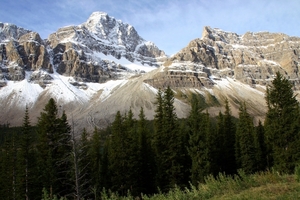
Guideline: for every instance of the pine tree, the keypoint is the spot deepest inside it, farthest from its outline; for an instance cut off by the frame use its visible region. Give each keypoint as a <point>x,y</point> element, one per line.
<point>84,165</point>
<point>282,125</point>
<point>132,154</point>
<point>167,143</point>
<point>26,157</point>
<point>9,170</point>
<point>63,155</point>
<point>53,148</point>
<point>146,168</point>
<point>245,144</point>
<point>217,149</point>
<point>159,141</point>
<point>6,173</point>
<point>229,164</point>
<point>118,157</point>
<point>95,156</point>
<point>198,142</point>
<point>260,144</point>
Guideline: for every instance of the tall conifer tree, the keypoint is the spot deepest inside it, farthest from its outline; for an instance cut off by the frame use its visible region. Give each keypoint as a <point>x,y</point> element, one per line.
<point>229,165</point>
<point>168,143</point>
<point>261,147</point>
<point>146,160</point>
<point>198,142</point>
<point>26,158</point>
<point>282,125</point>
<point>53,147</point>
<point>245,142</point>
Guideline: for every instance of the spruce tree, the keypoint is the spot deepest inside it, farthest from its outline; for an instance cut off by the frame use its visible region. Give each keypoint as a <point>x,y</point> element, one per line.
<point>64,155</point>
<point>168,143</point>
<point>245,142</point>
<point>146,167</point>
<point>118,157</point>
<point>95,156</point>
<point>9,170</point>
<point>84,165</point>
<point>282,125</point>
<point>159,141</point>
<point>26,158</point>
<point>217,149</point>
<point>53,148</point>
<point>229,164</point>
<point>260,144</point>
<point>132,154</point>
<point>198,142</point>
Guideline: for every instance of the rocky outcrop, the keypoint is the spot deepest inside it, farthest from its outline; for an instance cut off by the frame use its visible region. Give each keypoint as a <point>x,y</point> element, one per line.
<point>74,63</point>
<point>179,77</point>
<point>26,53</point>
<point>252,58</point>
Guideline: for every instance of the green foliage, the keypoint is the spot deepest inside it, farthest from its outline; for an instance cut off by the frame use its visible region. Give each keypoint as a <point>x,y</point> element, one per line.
<point>261,147</point>
<point>297,172</point>
<point>282,125</point>
<point>246,152</point>
<point>47,196</point>
<point>199,147</point>
<point>53,150</point>
<point>265,185</point>
<point>145,167</point>
<point>229,164</point>
<point>167,143</point>
<point>223,152</point>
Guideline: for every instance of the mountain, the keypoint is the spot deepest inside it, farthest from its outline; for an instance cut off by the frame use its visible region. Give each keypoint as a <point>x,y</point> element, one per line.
<point>102,65</point>
<point>223,65</point>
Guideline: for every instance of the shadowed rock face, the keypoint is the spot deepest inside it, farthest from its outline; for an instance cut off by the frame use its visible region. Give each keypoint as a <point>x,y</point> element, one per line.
<point>252,58</point>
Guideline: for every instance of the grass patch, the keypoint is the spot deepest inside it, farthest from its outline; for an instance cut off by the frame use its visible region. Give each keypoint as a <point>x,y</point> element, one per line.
<point>264,185</point>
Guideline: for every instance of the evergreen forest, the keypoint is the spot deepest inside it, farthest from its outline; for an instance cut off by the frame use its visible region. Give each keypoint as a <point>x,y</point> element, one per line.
<point>139,157</point>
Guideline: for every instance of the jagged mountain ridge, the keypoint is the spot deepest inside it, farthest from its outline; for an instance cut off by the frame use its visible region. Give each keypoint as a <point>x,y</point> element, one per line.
<point>252,58</point>
<point>98,50</point>
<point>94,69</point>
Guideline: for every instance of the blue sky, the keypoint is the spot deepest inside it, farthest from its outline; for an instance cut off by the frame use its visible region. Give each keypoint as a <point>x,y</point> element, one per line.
<point>170,24</point>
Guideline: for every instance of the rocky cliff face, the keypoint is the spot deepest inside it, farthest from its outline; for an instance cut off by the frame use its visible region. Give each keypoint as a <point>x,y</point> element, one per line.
<point>21,50</point>
<point>252,58</point>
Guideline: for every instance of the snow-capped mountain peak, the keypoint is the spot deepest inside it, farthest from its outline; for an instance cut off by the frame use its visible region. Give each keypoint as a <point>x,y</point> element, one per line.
<point>113,31</point>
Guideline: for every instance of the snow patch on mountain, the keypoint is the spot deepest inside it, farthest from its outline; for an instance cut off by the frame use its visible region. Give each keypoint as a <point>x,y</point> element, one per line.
<point>108,88</point>
<point>21,92</point>
<point>133,66</point>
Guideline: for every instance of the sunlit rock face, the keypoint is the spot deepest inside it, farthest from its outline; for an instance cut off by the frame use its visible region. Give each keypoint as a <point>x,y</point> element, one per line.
<point>252,58</point>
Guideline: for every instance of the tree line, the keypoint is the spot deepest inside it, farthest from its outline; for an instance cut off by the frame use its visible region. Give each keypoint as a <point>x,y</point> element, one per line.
<point>137,155</point>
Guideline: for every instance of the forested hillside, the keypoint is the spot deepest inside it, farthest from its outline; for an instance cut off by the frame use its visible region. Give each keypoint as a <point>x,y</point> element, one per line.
<point>138,156</point>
